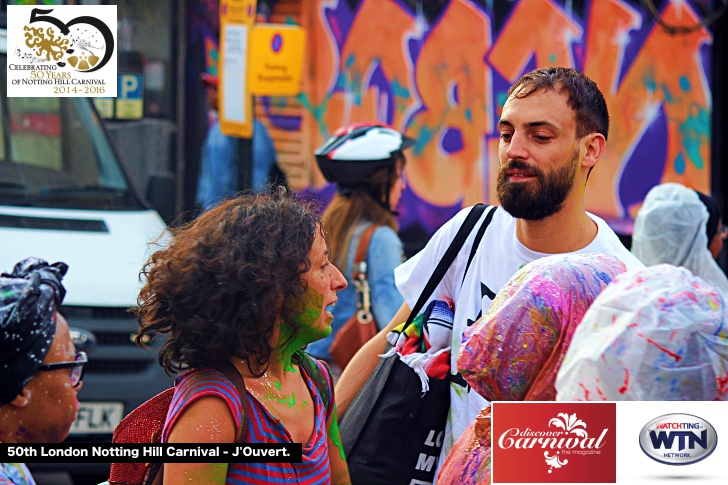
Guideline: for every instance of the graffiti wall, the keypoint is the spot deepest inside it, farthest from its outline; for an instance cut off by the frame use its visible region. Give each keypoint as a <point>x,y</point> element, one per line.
<point>443,81</point>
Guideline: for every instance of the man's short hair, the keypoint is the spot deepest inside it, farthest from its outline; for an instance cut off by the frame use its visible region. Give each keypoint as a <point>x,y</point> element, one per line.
<point>585,98</point>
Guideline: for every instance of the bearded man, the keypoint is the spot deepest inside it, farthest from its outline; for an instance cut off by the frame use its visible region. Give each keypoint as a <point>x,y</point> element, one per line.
<point>553,130</point>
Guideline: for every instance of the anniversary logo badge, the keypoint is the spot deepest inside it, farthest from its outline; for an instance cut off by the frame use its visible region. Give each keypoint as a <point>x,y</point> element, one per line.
<point>559,442</point>
<point>66,50</point>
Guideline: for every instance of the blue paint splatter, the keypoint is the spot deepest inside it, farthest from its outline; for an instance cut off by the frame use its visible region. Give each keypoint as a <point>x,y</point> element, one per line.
<point>452,140</point>
<point>349,61</point>
<point>423,138</point>
<point>684,83</point>
<point>680,164</point>
<point>650,82</point>
<point>502,97</point>
<point>695,130</point>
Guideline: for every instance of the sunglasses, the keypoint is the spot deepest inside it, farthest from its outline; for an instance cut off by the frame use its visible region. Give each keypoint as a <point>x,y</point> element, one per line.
<point>76,368</point>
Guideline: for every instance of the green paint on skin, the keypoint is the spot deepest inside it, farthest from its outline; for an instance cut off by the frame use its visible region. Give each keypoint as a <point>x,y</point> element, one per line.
<point>335,435</point>
<point>208,473</point>
<point>552,58</point>
<point>309,308</point>
<point>307,313</point>
<point>278,385</point>
<point>287,401</point>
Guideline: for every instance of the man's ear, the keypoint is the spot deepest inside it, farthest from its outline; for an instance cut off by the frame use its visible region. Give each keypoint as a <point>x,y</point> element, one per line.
<point>595,144</point>
<point>22,399</point>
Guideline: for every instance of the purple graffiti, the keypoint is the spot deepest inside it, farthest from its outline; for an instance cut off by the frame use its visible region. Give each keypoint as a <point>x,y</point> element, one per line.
<point>452,140</point>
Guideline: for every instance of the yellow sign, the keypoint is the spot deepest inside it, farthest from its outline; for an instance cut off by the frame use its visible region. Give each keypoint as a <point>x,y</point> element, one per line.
<point>105,107</point>
<point>236,20</point>
<point>130,99</point>
<point>276,59</point>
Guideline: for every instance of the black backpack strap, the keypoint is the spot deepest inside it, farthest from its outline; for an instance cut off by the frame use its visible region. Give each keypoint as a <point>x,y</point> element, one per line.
<point>477,240</point>
<point>233,375</point>
<point>447,259</point>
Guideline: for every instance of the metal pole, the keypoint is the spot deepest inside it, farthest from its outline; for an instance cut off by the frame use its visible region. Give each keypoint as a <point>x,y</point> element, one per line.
<point>180,139</point>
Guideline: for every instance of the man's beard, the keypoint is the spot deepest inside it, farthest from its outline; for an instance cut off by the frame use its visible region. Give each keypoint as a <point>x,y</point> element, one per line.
<point>523,201</point>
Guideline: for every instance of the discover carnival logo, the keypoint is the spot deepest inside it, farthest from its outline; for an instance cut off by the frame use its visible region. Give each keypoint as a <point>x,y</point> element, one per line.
<point>561,442</point>
<point>66,50</point>
<point>678,439</point>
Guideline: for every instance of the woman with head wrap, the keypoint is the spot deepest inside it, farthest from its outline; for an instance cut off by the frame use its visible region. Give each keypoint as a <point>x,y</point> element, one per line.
<point>656,334</point>
<point>677,226</point>
<point>40,372</point>
<point>515,350</point>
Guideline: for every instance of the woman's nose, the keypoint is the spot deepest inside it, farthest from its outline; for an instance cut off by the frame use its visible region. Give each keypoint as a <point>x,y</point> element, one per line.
<point>338,283</point>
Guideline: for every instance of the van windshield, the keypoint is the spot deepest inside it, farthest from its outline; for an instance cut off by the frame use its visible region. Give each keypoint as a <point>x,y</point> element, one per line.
<point>54,153</point>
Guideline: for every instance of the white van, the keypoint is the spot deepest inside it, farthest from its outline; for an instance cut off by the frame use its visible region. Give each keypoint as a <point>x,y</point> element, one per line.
<point>64,196</point>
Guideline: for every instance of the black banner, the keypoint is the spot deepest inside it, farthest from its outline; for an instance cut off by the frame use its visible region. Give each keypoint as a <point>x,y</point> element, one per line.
<point>151,453</point>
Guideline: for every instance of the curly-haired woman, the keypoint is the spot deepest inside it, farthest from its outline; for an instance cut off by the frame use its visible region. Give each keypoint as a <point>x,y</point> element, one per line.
<point>248,282</point>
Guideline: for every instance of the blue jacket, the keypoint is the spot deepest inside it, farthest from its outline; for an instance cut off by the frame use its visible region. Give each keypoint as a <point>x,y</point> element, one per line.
<point>218,168</point>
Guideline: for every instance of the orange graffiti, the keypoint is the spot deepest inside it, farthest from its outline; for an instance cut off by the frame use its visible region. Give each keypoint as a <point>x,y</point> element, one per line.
<point>537,28</point>
<point>667,72</point>
<point>443,94</point>
<point>454,87</point>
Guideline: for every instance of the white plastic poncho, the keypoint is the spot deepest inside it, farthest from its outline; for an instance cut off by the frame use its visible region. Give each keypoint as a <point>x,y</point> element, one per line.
<point>670,228</point>
<point>654,334</point>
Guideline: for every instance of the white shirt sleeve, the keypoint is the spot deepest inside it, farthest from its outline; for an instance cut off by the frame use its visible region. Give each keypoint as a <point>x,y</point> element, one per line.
<point>412,275</point>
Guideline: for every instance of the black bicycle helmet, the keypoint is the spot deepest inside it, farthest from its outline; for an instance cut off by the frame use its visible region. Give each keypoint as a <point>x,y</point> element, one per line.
<point>357,150</point>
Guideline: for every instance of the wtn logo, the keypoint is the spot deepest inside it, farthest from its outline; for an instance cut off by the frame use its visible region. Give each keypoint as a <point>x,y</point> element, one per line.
<point>678,439</point>
<point>665,439</point>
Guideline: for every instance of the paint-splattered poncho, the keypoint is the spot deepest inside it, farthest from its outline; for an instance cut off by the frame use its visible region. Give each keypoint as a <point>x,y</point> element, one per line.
<point>656,334</point>
<point>261,427</point>
<point>514,351</point>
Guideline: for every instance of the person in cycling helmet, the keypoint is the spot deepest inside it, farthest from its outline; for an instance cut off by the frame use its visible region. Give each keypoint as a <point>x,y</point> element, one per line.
<point>366,161</point>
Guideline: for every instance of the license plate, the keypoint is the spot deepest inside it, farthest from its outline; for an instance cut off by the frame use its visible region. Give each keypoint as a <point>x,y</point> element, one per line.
<point>97,417</point>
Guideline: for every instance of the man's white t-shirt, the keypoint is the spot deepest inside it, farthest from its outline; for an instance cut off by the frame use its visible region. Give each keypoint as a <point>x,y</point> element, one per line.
<point>499,256</point>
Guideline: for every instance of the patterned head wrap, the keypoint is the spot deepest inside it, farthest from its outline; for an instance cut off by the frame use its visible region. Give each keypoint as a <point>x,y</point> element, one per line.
<point>514,351</point>
<point>29,298</point>
<point>656,334</point>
